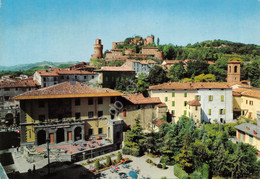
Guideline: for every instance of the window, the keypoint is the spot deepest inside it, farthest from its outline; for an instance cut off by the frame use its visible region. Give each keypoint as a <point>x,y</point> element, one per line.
<point>112,100</point>
<point>44,79</point>
<point>196,108</point>
<point>185,94</point>
<point>197,97</point>
<point>246,101</point>
<point>90,114</point>
<point>185,112</point>
<point>100,130</point>
<point>6,98</point>
<point>77,115</point>
<point>16,89</point>
<point>251,103</point>
<point>209,112</point>
<point>222,111</point>
<point>100,100</point>
<point>90,101</point>
<point>77,102</point>
<point>250,139</point>
<point>221,120</point>
<point>85,77</point>
<point>100,113</point>
<point>90,131</point>
<point>222,98</point>
<point>92,76</point>
<point>166,99</point>
<point>173,103</point>
<point>173,112</point>
<point>210,98</point>
<point>76,77</point>
<point>68,77</point>
<point>7,89</point>
<point>185,103</point>
<point>42,118</point>
<point>173,94</point>
<point>41,104</point>
<point>55,79</point>
<point>62,77</point>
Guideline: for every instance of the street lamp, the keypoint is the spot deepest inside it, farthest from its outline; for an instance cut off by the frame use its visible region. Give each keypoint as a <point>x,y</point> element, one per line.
<point>48,150</point>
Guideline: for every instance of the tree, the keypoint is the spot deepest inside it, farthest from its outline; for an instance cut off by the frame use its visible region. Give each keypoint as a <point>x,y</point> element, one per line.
<point>252,73</point>
<point>119,157</point>
<point>142,84</point>
<point>97,164</point>
<point>177,72</point>
<point>158,42</point>
<point>157,75</point>
<point>197,67</point>
<point>200,153</point>
<point>185,158</point>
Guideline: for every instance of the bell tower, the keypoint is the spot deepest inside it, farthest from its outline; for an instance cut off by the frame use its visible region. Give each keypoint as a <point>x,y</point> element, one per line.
<point>233,71</point>
<point>98,48</point>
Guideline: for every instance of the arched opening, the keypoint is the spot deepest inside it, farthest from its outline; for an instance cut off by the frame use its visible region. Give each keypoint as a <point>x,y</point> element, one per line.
<point>9,119</point>
<point>230,69</point>
<point>60,135</point>
<point>235,69</point>
<point>41,137</point>
<point>77,133</point>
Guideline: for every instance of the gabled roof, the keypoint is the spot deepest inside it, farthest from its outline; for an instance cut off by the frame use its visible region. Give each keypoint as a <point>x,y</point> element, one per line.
<point>19,83</point>
<point>140,99</point>
<point>191,85</point>
<point>194,103</point>
<point>249,128</point>
<point>254,93</point>
<point>67,90</point>
<point>109,68</point>
<point>58,71</point>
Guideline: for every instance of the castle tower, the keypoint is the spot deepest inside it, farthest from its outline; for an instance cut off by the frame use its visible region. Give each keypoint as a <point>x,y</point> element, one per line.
<point>98,50</point>
<point>149,40</point>
<point>233,71</point>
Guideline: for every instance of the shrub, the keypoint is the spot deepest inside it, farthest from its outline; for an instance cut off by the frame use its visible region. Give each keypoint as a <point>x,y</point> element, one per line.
<point>159,165</point>
<point>178,172</point>
<point>163,177</point>
<point>119,157</point>
<point>126,150</point>
<point>108,162</point>
<point>196,175</point>
<point>164,165</point>
<point>165,159</point>
<point>135,152</point>
<point>97,165</point>
<point>148,160</point>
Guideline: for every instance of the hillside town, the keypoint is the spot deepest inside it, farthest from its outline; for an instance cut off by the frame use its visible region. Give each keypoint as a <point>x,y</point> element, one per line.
<point>127,110</point>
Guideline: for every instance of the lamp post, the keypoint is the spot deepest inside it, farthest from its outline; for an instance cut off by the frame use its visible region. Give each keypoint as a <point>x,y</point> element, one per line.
<point>48,150</point>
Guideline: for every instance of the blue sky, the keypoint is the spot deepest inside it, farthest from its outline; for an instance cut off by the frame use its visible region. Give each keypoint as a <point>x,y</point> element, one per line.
<point>65,30</point>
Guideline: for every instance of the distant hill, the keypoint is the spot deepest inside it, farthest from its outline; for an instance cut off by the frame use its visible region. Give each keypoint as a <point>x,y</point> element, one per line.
<point>38,64</point>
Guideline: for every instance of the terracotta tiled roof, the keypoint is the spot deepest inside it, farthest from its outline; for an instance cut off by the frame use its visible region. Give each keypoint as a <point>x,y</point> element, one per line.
<point>140,99</point>
<point>192,85</point>
<point>19,83</point>
<point>251,93</point>
<point>161,105</point>
<point>194,103</point>
<point>57,72</point>
<point>169,62</point>
<point>149,48</point>
<point>234,62</point>
<point>159,122</point>
<point>67,90</point>
<point>108,68</point>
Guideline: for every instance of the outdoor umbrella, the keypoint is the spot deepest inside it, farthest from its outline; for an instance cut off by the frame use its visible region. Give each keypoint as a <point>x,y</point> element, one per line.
<point>132,174</point>
<point>92,169</point>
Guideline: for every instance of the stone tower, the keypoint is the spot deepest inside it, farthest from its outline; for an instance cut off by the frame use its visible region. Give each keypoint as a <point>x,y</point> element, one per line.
<point>149,40</point>
<point>233,71</point>
<point>98,50</point>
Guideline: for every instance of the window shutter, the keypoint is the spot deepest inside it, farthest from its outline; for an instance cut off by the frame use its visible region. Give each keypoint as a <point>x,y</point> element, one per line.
<point>199,97</point>
<point>224,111</point>
<point>173,94</point>
<point>209,98</point>
<point>220,111</point>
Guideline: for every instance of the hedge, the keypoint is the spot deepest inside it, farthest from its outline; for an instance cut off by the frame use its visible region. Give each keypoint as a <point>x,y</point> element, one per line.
<point>131,151</point>
<point>196,175</point>
<point>135,152</point>
<point>178,172</point>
